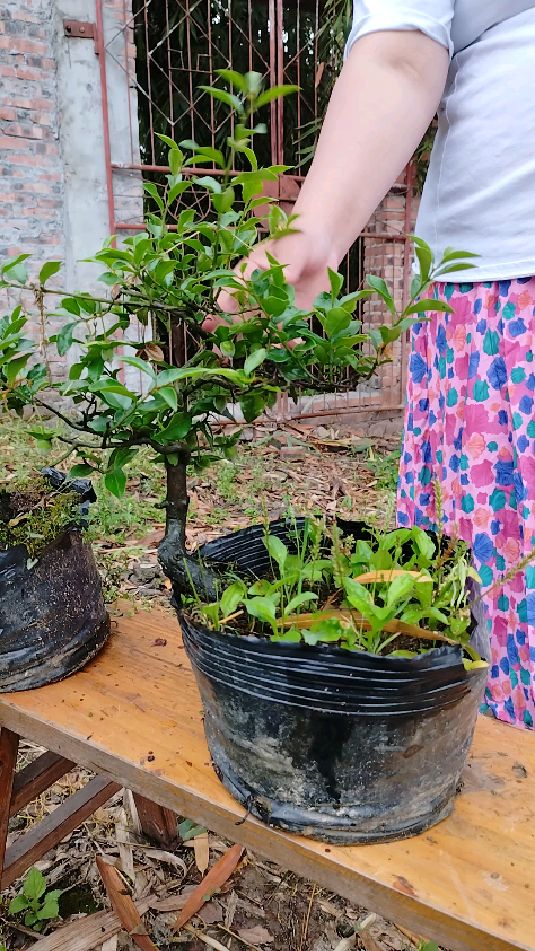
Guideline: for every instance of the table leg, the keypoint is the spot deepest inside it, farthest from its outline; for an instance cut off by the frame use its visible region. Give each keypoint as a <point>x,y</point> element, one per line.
<point>9,745</point>
<point>157,822</point>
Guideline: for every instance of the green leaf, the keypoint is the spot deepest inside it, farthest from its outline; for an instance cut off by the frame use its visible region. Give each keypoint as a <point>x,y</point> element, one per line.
<point>399,590</point>
<point>48,270</point>
<point>234,78</point>
<point>16,269</point>
<point>254,360</point>
<point>450,268</point>
<point>223,96</point>
<point>177,189</point>
<point>224,202</point>
<point>80,470</point>
<point>177,429</point>
<point>13,367</point>
<point>231,598</point>
<point>142,365</point>
<point>175,159</point>
<point>328,631</point>
<point>290,636</point>
<point>64,339</point>
<point>298,601</point>
<point>263,609</point>
<point>34,884</point>
<point>169,394</point>
<point>276,92</point>
<point>450,254</point>
<point>428,304</point>
<point>168,141</point>
<point>335,320</point>
<point>381,287</point>
<point>360,598</point>
<point>336,281</point>
<point>277,550</point>
<point>425,258</point>
<point>188,830</point>
<point>151,189</point>
<point>209,182</point>
<point>50,908</point>
<point>252,405</point>
<point>115,482</point>
<point>18,904</point>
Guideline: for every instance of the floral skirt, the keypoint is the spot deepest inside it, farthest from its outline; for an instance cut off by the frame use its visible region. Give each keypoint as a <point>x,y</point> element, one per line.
<point>470,429</point>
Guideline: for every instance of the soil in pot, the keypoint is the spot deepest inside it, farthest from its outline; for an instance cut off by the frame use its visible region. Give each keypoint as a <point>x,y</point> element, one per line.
<point>345,746</point>
<point>52,614</point>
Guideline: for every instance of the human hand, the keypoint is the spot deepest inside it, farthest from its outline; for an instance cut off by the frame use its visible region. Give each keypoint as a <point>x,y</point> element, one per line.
<point>306,257</point>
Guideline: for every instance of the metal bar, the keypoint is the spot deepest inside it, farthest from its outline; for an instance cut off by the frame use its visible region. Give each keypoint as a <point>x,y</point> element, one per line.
<point>272,75</point>
<point>188,49</point>
<point>128,34</point>
<point>362,406</point>
<point>149,81</point>
<point>101,53</point>
<point>169,72</point>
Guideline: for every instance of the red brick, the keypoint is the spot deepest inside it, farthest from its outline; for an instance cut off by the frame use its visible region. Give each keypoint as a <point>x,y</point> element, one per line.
<point>21,44</point>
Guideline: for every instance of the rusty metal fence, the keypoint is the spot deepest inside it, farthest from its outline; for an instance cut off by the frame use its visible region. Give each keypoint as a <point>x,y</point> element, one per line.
<point>169,49</point>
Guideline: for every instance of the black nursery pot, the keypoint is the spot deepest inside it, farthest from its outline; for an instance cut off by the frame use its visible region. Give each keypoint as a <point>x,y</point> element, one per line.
<point>346,747</point>
<point>53,618</point>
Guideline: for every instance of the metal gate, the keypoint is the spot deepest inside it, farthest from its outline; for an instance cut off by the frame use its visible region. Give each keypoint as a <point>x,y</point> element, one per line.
<point>169,48</point>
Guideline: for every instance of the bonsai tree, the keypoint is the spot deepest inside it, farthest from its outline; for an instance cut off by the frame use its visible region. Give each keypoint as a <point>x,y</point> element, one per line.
<point>158,289</point>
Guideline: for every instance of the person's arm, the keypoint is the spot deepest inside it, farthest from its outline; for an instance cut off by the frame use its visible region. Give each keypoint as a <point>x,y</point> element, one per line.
<point>386,96</point>
<point>382,103</point>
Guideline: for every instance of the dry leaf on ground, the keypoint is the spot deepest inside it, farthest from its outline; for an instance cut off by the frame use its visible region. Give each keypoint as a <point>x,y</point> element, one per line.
<point>256,935</point>
<point>201,850</point>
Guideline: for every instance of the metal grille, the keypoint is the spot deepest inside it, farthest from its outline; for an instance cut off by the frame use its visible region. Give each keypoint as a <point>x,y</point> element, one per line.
<point>179,46</point>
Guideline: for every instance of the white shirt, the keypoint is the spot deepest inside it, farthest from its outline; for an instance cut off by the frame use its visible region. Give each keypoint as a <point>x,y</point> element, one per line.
<point>480,190</point>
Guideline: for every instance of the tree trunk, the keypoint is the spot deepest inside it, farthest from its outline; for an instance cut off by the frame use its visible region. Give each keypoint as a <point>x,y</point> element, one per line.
<point>176,500</point>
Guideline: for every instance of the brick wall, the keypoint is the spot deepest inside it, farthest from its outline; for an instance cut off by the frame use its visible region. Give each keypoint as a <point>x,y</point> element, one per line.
<point>31,182</point>
<point>54,198</point>
<point>386,257</point>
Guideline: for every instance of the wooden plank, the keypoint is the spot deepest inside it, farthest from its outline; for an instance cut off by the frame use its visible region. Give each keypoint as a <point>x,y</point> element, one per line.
<point>156,821</point>
<point>32,845</point>
<point>31,781</point>
<point>135,714</point>
<point>84,934</point>
<point>9,746</point>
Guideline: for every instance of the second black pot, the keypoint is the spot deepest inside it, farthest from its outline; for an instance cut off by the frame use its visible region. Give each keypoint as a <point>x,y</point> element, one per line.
<point>347,747</point>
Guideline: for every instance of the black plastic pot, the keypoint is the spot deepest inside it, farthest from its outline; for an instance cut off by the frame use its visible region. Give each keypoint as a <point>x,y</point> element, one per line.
<point>346,747</point>
<point>52,614</point>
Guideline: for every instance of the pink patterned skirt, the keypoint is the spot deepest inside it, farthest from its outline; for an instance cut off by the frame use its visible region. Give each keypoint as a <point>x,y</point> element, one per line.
<point>470,426</point>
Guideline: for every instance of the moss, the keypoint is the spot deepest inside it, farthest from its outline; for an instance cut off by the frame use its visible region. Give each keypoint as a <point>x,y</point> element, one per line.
<point>34,514</point>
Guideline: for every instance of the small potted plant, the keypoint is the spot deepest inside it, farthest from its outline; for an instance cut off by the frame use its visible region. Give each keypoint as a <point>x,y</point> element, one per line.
<point>52,613</point>
<point>339,687</point>
<point>165,282</point>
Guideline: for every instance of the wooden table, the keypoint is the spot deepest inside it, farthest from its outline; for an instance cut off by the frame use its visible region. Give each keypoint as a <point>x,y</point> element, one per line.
<point>134,717</point>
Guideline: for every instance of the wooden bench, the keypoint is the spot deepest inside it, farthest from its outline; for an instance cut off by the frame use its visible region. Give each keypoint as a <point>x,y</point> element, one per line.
<point>134,718</point>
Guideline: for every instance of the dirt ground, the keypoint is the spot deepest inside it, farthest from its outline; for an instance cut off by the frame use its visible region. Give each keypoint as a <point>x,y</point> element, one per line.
<point>260,906</point>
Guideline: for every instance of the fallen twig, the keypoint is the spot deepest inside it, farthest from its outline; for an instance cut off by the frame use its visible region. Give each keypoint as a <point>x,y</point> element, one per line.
<point>124,906</point>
